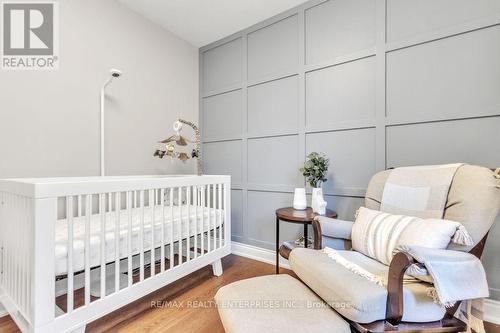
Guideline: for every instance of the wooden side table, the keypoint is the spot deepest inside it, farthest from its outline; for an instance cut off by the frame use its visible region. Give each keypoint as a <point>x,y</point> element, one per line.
<point>305,217</point>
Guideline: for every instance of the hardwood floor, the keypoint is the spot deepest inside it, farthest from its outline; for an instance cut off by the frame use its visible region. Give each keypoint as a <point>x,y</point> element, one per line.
<point>184,306</point>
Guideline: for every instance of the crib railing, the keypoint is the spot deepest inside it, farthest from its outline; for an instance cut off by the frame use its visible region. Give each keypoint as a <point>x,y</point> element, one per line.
<point>73,250</point>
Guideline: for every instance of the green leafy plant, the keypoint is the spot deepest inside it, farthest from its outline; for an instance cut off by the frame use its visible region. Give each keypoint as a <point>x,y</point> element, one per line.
<point>315,169</point>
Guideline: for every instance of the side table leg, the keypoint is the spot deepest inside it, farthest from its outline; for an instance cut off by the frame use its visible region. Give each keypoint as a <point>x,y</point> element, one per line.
<point>277,245</point>
<point>305,235</point>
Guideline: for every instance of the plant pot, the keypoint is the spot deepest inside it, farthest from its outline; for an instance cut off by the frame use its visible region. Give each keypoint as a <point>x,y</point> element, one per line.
<point>318,204</point>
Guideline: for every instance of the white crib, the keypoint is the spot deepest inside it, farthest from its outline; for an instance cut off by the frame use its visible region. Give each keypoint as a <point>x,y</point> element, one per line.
<point>103,242</point>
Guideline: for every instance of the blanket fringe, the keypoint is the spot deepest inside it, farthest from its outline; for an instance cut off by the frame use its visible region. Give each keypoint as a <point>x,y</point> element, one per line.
<point>462,237</point>
<point>432,293</point>
<point>356,269</point>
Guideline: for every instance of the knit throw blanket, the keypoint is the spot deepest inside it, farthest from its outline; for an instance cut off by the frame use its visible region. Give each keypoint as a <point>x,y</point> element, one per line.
<point>419,191</point>
<point>451,273</point>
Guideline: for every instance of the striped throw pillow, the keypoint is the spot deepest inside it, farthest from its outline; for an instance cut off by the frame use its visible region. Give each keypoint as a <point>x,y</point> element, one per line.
<point>376,234</point>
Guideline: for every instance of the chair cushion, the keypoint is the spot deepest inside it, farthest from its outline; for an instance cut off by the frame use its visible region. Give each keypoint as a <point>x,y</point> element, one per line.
<point>474,201</point>
<point>275,303</point>
<point>354,296</point>
<point>375,190</point>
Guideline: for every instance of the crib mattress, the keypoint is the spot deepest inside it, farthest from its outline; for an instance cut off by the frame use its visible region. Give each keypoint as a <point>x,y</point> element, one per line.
<point>179,223</point>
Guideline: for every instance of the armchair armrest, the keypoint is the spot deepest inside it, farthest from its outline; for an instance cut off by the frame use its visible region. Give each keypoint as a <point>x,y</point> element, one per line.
<point>394,307</point>
<point>334,228</point>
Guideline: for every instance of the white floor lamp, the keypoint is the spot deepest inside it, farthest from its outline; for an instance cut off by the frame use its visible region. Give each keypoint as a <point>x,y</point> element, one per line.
<point>115,73</point>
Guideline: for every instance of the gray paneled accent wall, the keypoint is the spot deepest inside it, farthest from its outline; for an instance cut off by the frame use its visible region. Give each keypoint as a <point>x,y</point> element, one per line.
<point>371,83</point>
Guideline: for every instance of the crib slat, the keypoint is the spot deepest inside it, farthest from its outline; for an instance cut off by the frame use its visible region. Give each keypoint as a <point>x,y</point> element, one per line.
<point>118,200</point>
<point>152,205</point>
<point>69,218</point>
<point>195,203</point>
<point>214,212</point>
<point>24,262</point>
<point>102,210</point>
<point>180,224</point>
<point>16,253</point>
<point>19,264</point>
<point>22,255</point>
<point>171,227</point>
<point>13,274</point>
<point>31,268</point>
<point>141,236</point>
<point>214,206</point>
<point>88,213</point>
<point>162,251</point>
<point>80,199</point>
<point>109,212</point>
<point>219,214</point>
<point>129,239</point>
<point>188,203</point>
<point>227,214</point>
<point>202,238</point>
<point>208,218</point>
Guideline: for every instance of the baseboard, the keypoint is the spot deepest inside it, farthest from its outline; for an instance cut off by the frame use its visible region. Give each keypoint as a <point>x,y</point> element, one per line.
<point>492,311</point>
<point>3,312</point>
<point>257,253</point>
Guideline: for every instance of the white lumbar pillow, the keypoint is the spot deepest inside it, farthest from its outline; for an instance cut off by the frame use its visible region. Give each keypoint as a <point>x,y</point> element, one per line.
<point>376,234</point>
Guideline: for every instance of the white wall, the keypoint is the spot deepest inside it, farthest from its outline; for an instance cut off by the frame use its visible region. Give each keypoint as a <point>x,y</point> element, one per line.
<point>49,121</point>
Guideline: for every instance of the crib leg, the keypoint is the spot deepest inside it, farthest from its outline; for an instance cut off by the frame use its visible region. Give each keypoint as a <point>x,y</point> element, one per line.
<point>217,267</point>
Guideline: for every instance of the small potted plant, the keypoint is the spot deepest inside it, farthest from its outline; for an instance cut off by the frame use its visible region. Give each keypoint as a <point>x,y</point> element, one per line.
<point>315,169</point>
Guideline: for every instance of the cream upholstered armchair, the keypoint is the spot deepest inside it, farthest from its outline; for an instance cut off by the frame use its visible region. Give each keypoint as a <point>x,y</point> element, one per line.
<point>473,200</point>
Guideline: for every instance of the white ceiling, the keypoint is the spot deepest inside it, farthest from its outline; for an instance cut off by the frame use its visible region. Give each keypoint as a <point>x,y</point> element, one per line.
<point>201,22</point>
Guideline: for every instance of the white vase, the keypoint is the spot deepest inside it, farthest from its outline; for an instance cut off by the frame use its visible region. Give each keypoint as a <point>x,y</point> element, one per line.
<point>299,199</point>
<point>318,204</point>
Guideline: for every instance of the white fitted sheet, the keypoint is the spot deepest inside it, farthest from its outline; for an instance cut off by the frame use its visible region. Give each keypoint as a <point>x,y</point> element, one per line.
<point>197,218</point>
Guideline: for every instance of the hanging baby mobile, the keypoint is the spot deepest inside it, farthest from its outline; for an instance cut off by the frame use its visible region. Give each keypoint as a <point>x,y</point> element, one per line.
<point>178,140</point>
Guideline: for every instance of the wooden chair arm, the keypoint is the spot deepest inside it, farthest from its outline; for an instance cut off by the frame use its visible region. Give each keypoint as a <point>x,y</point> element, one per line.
<point>397,269</point>
<point>318,236</point>
<point>285,250</point>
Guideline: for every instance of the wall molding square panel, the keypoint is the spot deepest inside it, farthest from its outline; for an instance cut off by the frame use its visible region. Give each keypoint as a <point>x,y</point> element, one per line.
<point>473,141</point>
<point>237,215</point>
<point>222,116</point>
<point>261,214</point>
<point>324,77</point>
<point>223,158</point>
<point>447,78</point>
<point>339,27</point>
<point>407,18</point>
<point>342,93</point>
<point>222,66</point>
<point>352,156</point>
<point>273,49</point>
<point>345,207</point>
<point>273,107</point>
<point>274,161</point>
